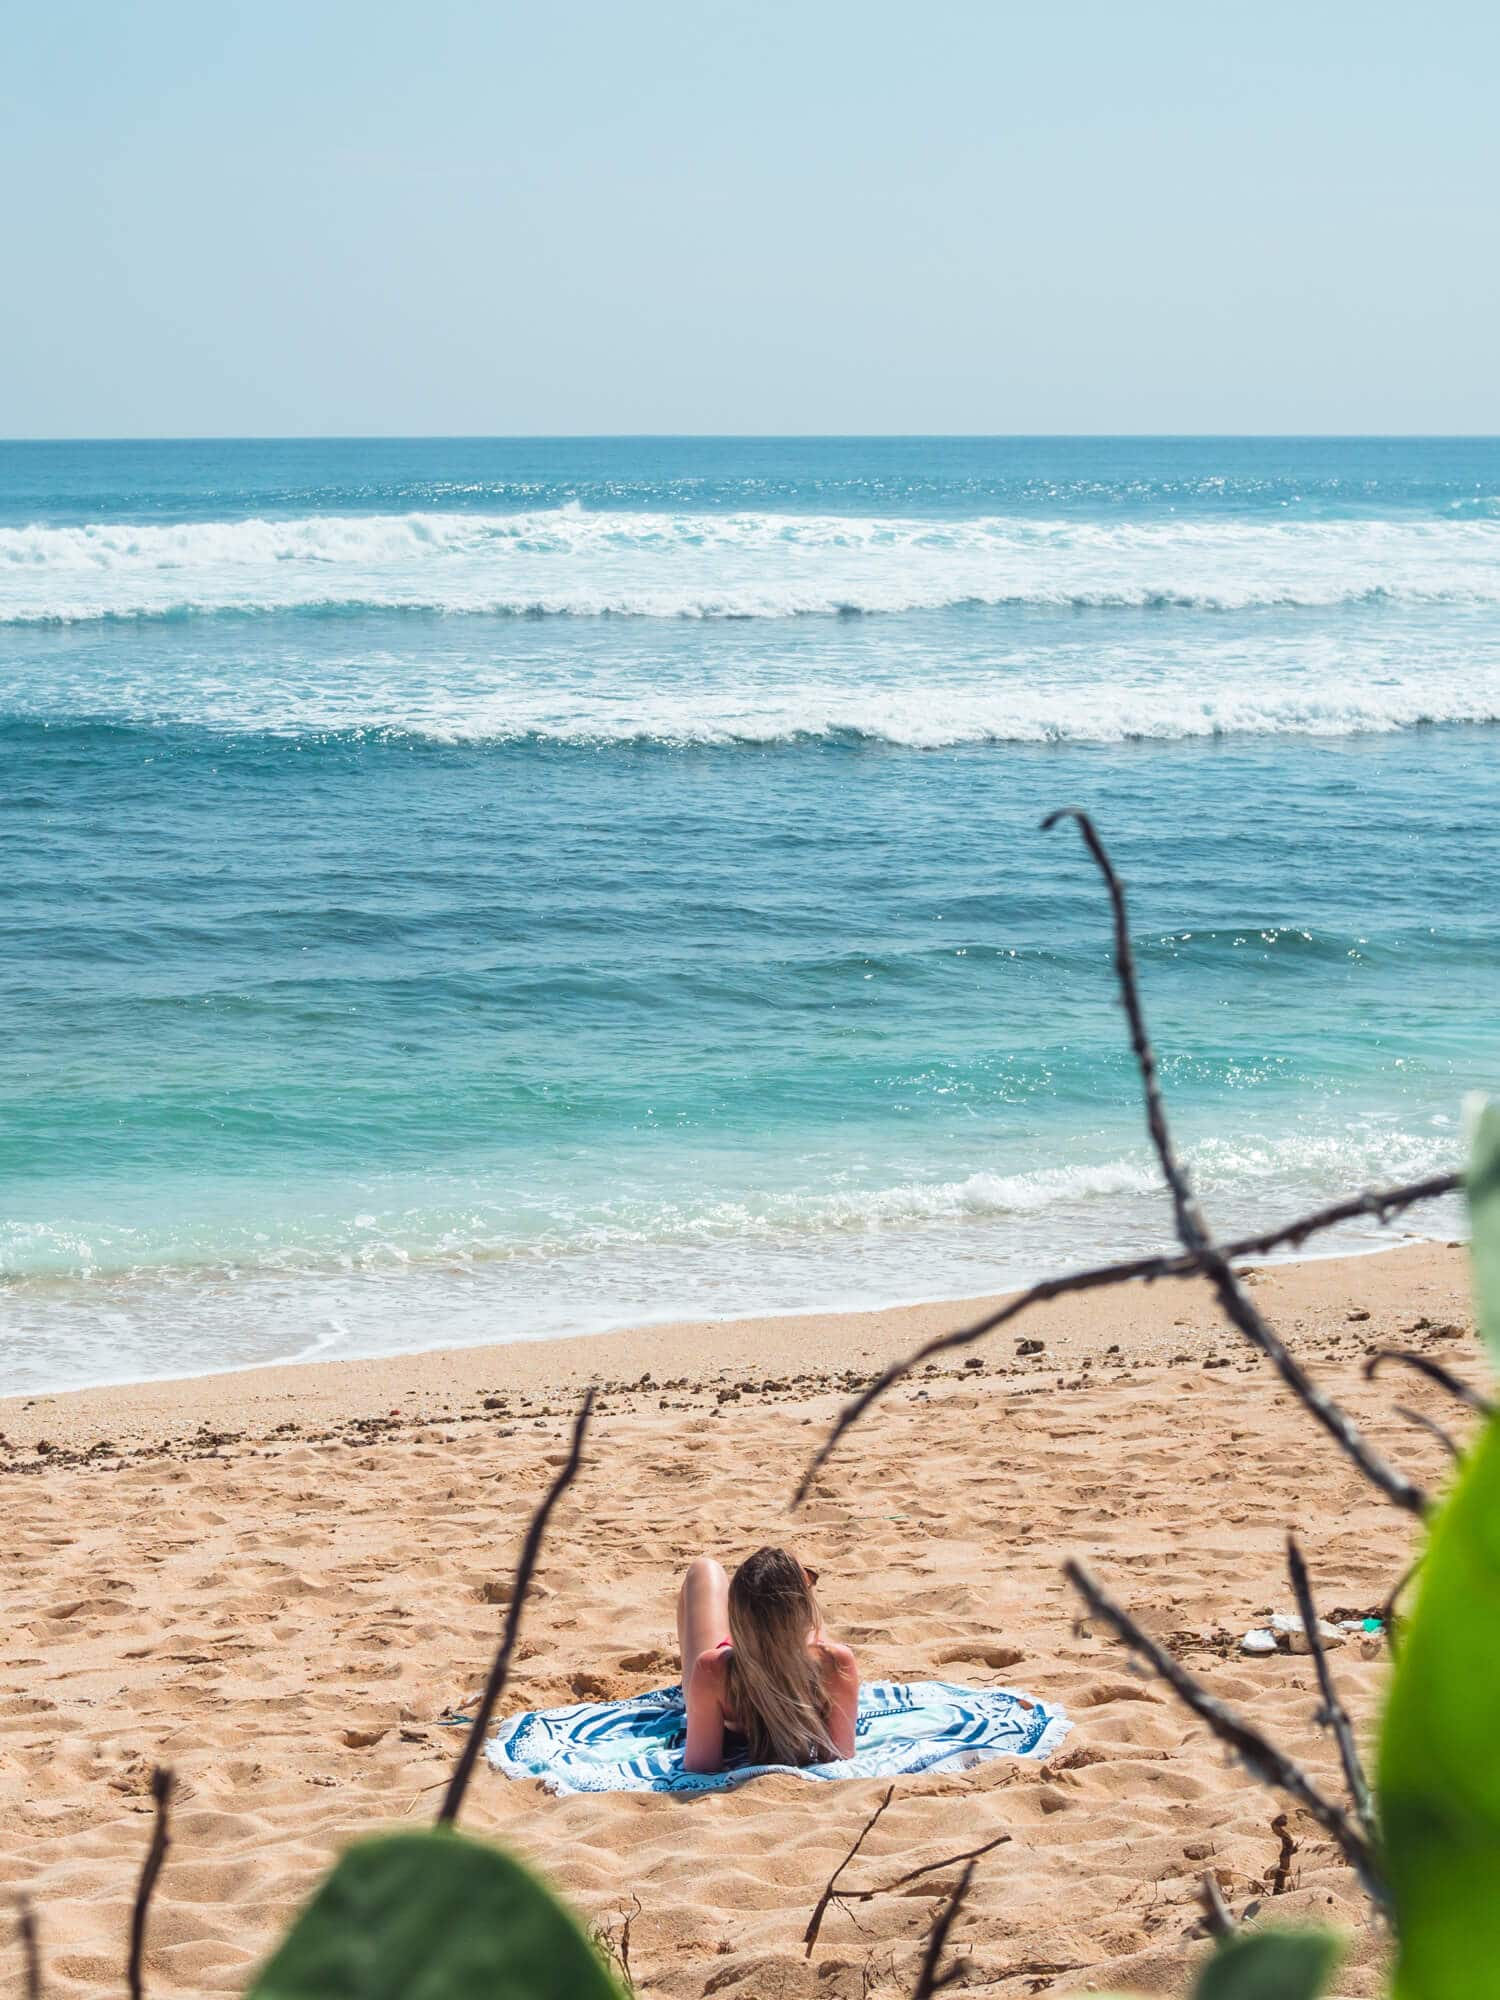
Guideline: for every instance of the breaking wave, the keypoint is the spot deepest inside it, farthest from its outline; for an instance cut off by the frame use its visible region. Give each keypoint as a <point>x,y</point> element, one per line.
<point>867,716</point>
<point>568,562</point>
<point>1296,1169</point>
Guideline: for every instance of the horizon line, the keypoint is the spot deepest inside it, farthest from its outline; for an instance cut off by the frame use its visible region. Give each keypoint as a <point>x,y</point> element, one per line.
<point>760,437</point>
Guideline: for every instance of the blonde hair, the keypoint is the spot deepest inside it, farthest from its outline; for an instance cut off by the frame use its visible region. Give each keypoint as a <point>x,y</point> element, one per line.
<point>775,1680</point>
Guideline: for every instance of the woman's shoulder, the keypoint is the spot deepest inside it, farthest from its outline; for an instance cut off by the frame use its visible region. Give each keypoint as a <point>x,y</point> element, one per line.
<point>840,1658</point>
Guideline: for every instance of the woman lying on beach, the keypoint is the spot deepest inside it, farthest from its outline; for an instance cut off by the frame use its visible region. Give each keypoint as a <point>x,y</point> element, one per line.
<point>758,1670</point>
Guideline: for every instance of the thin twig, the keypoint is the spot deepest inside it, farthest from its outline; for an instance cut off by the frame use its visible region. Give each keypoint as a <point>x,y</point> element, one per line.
<point>916,1874</point>
<point>1281,1873</point>
<point>1383,1203</point>
<point>1434,1371</point>
<point>1260,1756</point>
<point>1380,1202</point>
<point>1334,1713</point>
<point>929,1981</point>
<point>163,1783</point>
<point>1216,1914</point>
<point>617,1949</point>
<point>1388,1616</point>
<point>814,1924</point>
<point>463,1770</point>
<point>1449,1443</point>
<point>628,1918</point>
<point>1193,1231</point>
<point>31,1946</point>
<point>1346,1434</point>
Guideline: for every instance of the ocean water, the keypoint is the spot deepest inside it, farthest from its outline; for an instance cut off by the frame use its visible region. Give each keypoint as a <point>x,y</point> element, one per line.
<point>458,890</point>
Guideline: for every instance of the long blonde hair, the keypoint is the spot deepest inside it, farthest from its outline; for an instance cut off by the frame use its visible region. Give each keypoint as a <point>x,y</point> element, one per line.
<point>775,1680</point>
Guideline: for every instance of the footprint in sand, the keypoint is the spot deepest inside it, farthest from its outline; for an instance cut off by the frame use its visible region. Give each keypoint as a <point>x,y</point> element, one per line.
<point>974,1652</point>
<point>595,1687</point>
<point>653,1661</point>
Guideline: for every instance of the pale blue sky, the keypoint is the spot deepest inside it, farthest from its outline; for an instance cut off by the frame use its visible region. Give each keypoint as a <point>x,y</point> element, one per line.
<point>824,216</point>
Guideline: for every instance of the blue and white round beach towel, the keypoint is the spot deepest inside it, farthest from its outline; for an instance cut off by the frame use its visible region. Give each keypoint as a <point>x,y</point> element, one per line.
<point>636,1745</point>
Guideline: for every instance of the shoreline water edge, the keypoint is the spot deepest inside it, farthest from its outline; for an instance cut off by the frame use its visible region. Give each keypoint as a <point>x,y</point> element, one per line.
<point>845,1346</point>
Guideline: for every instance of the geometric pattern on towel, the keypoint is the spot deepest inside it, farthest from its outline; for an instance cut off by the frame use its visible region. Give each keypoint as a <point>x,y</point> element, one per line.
<point>636,1745</point>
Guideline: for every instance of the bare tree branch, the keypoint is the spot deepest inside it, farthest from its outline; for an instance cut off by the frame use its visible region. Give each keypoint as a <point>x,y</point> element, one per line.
<point>1192,1230</point>
<point>1449,1443</point>
<point>630,1916</point>
<point>929,1981</point>
<point>616,1949</point>
<point>1334,1713</point>
<point>1281,1873</point>
<point>1388,1609</point>
<point>1383,1203</point>
<point>1396,1487</point>
<point>163,1783</point>
<point>810,1935</point>
<point>31,1947</point>
<point>1215,1910</point>
<point>1256,1752</point>
<point>1380,1202</point>
<point>927,1868</point>
<point>1235,1301</point>
<point>463,1770</point>
<point>1434,1371</point>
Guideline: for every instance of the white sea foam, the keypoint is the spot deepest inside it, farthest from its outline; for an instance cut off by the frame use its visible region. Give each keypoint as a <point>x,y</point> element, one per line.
<point>566,561</point>
<point>948,719</point>
<point>479,1234</point>
<point>861,683</point>
<point>138,1313</point>
<point>927,713</point>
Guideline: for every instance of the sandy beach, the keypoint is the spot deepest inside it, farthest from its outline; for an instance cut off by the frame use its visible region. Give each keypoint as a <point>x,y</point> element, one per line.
<point>278,1582</point>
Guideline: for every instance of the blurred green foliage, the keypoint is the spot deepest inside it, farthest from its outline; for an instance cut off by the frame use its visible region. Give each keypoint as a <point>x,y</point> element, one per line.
<point>434,1916</point>
<point>1439,1777</point>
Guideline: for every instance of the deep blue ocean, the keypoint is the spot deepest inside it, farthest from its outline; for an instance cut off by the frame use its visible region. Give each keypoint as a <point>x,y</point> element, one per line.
<point>457,890</point>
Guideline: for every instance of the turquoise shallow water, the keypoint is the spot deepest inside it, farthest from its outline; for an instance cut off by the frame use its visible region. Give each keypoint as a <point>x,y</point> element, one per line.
<point>465,889</point>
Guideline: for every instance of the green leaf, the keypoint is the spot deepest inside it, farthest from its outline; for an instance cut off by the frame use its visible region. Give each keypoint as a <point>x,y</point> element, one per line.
<point>1268,1965</point>
<point>1440,1743</point>
<point>433,1916</point>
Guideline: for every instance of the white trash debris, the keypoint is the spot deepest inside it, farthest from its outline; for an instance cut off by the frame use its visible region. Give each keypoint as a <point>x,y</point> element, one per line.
<point>1288,1629</point>
<point>1284,1634</point>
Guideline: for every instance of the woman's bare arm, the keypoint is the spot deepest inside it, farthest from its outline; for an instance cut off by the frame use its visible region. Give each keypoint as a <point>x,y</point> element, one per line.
<point>841,1684</point>
<point>704,1750</point>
